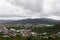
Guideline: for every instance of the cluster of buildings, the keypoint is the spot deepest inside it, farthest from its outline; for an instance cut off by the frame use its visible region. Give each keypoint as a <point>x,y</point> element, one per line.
<point>26,25</point>
<point>12,32</point>
<point>25,32</point>
<point>46,35</point>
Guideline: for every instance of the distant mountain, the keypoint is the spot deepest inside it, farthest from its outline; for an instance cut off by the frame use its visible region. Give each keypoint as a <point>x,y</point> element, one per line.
<point>4,21</point>
<point>36,21</point>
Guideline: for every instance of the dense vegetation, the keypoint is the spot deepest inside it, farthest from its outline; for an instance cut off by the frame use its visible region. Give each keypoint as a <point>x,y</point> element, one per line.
<point>51,29</point>
<point>18,37</point>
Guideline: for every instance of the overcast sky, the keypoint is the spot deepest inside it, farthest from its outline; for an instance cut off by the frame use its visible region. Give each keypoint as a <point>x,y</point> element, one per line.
<point>21,9</point>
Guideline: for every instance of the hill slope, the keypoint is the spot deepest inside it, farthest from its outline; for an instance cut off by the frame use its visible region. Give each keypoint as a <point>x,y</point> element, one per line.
<point>4,21</point>
<point>36,21</point>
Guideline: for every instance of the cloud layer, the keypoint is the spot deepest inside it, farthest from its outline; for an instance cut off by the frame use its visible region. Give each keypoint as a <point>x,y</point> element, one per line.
<point>18,9</point>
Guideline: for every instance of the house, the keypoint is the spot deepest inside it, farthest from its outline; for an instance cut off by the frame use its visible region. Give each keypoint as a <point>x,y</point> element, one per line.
<point>44,35</point>
<point>25,33</point>
<point>34,34</point>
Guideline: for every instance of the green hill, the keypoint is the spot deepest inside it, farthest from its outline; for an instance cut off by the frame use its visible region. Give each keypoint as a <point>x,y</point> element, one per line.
<point>35,21</point>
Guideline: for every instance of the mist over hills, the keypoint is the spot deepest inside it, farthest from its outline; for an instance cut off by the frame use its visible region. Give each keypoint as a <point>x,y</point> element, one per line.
<point>5,21</point>
<point>33,21</point>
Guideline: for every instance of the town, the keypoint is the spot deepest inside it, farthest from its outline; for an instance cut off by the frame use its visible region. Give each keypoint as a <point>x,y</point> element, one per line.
<point>28,30</point>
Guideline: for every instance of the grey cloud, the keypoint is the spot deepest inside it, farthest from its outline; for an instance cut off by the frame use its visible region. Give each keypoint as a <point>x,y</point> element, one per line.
<point>30,8</point>
<point>34,5</point>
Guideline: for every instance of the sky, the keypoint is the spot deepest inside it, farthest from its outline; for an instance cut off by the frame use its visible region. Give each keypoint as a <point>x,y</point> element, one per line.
<point>22,9</point>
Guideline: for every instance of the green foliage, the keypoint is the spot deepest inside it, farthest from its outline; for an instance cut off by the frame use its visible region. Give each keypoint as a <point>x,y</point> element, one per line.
<point>50,29</point>
<point>27,38</point>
